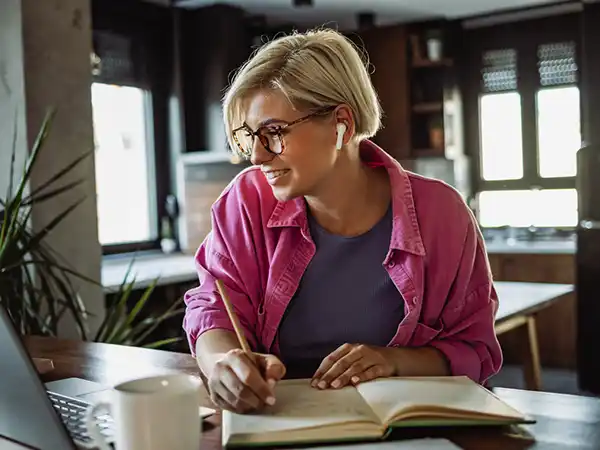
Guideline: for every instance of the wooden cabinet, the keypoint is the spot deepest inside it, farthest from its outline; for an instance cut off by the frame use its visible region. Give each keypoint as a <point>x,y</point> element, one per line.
<point>557,325</point>
<point>388,64</point>
<point>213,41</point>
<point>538,268</point>
<point>436,106</point>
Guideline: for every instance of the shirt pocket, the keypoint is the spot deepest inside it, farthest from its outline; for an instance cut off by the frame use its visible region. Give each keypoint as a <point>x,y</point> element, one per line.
<point>424,334</point>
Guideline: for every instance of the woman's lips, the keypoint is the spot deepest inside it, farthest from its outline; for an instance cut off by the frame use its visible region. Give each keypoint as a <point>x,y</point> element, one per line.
<point>274,175</point>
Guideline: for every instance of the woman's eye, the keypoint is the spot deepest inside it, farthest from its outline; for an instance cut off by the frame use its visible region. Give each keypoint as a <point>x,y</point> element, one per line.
<point>276,132</point>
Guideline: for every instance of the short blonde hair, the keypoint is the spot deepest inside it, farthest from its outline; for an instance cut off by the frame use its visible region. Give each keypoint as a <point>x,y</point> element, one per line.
<point>316,69</point>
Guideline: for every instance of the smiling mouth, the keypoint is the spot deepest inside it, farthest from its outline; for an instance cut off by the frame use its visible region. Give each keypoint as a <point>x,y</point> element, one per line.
<point>274,174</point>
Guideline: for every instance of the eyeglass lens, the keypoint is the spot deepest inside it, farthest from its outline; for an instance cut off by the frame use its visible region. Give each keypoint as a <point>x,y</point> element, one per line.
<point>269,139</point>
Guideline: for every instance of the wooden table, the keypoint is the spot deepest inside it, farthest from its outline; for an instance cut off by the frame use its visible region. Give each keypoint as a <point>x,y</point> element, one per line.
<point>519,304</point>
<point>564,421</point>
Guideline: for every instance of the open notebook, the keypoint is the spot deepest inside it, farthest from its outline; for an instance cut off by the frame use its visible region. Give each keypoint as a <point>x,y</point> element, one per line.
<point>368,411</point>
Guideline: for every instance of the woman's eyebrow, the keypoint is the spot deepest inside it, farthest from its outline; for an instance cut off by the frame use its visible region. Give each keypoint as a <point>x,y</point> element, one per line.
<point>270,121</point>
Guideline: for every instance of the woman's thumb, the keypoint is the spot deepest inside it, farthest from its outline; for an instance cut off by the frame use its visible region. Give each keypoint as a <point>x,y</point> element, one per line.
<point>273,368</point>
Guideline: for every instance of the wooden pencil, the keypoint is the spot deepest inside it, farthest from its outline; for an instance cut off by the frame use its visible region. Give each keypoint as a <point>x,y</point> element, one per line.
<point>234,318</point>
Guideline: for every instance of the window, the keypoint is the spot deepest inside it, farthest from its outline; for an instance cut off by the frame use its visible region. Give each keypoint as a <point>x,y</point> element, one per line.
<point>131,82</point>
<point>559,131</point>
<point>125,186</point>
<point>523,122</point>
<point>526,208</point>
<point>501,136</point>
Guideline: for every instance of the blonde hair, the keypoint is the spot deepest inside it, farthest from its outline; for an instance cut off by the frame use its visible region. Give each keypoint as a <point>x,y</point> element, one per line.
<point>316,69</point>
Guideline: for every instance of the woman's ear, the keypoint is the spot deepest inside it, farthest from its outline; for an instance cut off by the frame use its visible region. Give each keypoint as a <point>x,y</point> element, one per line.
<point>341,131</point>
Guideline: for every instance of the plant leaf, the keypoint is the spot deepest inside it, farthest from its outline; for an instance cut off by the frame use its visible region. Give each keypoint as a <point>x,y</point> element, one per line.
<point>7,224</point>
<point>75,306</point>
<point>47,290</point>
<point>12,160</point>
<point>127,274</point>
<point>153,323</point>
<point>32,291</point>
<point>150,323</point>
<point>136,309</point>
<point>111,320</point>
<point>61,173</point>
<point>163,342</point>
<point>54,265</point>
<point>37,238</point>
<point>48,195</point>
<point>53,284</point>
<point>33,155</point>
<point>13,205</point>
<point>43,251</point>
<point>122,292</point>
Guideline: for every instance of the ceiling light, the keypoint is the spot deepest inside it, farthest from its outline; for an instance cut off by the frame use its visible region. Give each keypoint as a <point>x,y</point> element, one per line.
<point>303,3</point>
<point>365,20</point>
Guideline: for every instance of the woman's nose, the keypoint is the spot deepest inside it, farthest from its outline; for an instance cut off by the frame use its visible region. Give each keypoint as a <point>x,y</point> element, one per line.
<point>260,154</point>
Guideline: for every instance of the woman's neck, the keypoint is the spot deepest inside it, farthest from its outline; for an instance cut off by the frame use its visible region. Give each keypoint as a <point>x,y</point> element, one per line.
<point>352,199</point>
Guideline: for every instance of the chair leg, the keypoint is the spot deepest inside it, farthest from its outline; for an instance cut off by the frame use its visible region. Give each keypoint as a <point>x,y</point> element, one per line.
<point>531,356</point>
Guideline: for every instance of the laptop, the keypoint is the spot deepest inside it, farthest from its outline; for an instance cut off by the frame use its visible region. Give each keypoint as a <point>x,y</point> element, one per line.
<point>43,416</point>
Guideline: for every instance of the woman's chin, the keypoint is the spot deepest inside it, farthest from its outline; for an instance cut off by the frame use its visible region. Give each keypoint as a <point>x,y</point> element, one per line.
<point>285,193</point>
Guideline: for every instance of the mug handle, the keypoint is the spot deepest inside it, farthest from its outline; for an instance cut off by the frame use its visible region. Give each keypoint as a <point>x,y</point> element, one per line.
<point>92,426</point>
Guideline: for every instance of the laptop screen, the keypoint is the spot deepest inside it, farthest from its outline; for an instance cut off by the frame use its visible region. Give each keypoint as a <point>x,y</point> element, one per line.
<point>26,413</point>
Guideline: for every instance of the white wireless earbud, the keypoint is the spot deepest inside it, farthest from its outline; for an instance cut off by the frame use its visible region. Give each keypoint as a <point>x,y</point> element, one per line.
<point>341,130</point>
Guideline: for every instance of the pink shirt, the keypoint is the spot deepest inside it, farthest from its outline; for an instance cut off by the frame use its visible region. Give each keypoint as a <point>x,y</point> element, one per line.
<point>259,247</point>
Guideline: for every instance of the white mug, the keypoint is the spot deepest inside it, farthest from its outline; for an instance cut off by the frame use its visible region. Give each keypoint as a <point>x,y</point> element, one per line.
<point>154,413</point>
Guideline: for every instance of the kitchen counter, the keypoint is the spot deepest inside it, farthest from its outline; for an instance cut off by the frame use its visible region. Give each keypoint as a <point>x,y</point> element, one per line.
<point>531,247</point>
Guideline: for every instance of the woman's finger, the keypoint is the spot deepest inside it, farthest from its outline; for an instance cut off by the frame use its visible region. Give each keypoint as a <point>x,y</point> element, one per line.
<point>236,392</point>
<point>272,367</point>
<point>329,361</point>
<point>354,370</point>
<point>369,374</point>
<point>249,375</point>
<point>339,367</point>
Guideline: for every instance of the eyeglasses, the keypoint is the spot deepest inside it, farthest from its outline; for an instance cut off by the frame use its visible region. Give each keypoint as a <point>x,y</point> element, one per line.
<point>270,136</point>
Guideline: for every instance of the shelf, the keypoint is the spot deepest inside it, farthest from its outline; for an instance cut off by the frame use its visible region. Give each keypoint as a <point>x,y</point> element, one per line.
<point>429,107</point>
<point>207,157</point>
<point>420,63</point>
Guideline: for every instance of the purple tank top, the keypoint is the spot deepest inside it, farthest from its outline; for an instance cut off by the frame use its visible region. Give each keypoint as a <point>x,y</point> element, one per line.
<point>345,295</point>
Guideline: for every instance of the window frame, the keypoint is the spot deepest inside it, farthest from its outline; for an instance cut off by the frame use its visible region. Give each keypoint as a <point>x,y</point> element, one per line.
<point>525,37</point>
<point>149,27</point>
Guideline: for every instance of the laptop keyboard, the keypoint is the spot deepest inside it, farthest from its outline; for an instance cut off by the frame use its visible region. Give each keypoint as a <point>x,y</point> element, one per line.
<point>72,412</point>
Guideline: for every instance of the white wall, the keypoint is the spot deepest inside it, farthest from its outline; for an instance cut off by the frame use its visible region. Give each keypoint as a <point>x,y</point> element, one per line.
<point>12,89</point>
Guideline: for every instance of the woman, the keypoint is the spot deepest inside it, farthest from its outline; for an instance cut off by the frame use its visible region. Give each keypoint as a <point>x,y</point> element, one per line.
<point>341,266</point>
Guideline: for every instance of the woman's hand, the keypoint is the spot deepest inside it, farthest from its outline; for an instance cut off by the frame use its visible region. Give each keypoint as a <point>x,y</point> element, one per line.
<point>353,364</point>
<point>242,383</point>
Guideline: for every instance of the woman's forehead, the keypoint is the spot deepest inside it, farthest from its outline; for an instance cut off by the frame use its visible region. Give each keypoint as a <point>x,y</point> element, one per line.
<point>266,105</point>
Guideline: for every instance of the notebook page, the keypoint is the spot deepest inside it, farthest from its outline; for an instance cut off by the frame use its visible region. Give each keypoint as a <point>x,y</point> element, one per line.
<point>411,444</point>
<point>301,406</point>
<point>389,396</point>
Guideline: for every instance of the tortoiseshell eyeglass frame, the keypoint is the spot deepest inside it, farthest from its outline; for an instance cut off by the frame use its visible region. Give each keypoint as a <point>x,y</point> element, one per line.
<point>278,130</point>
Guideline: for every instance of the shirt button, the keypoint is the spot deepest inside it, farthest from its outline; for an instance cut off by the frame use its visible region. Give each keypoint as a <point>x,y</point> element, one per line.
<point>415,300</point>
<point>391,264</point>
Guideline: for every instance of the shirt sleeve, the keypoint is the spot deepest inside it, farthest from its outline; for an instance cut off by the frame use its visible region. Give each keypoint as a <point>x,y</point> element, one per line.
<point>468,338</point>
<point>204,307</point>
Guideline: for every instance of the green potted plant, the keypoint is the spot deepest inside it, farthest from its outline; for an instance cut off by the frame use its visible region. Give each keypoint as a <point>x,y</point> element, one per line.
<point>125,323</point>
<point>35,282</point>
